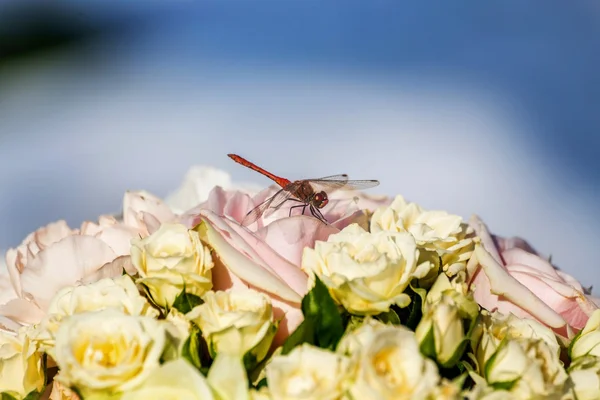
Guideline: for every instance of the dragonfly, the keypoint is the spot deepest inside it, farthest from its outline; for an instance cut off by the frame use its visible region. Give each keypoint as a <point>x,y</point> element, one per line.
<point>307,193</point>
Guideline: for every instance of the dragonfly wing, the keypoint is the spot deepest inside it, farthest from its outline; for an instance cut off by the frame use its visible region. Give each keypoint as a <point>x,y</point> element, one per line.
<point>274,202</point>
<point>341,182</point>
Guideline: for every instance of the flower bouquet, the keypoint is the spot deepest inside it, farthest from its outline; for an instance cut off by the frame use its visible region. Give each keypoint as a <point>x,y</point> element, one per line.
<point>378,299</point>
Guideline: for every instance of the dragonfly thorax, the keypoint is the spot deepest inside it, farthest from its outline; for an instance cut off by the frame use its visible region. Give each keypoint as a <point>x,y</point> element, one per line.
<point>320,199</point>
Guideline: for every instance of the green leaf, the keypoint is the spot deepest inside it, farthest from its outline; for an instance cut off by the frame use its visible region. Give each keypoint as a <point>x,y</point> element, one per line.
<point>428,345</point>
<point>323,324</point>
<point>195,350</point>
<point>33,396</point>
<point>412,314</point>
<point>191,351</point>
<point>7,396</point>
<point>185,302</point>
<point>261,383</point>
<point>304,333</point>
<point>390,317</point>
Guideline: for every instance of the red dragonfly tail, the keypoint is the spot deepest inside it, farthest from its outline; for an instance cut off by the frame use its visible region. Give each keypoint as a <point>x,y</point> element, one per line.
<point>277,179</point>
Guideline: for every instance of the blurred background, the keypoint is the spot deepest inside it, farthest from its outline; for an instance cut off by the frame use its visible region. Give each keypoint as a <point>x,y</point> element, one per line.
<point>478,107</point>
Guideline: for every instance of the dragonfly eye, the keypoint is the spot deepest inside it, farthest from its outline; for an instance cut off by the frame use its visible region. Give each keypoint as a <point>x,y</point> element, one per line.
<point>320,199</point>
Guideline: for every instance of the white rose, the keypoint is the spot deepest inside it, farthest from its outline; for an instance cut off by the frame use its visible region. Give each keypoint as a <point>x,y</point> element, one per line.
<point>119,293</point>
<point>521,355</point>
<point>387,363</point>
<point>433,230</point>
<point>178,329</point>
<point>366,272</point>
<point>21,365</point>
<point>307,372</point>
<point>493,328</point>
<point>169,260</point>
<point>107,351</point>
<point>176,379</point>
<point>442,329</point>
<point>588,340</point>
<point>236,322</point>
<point>585,375</point>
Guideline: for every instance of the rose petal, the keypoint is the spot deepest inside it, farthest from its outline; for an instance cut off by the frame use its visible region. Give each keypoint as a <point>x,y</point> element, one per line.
<point>62,264</point>
<point>136,204</point>
<point>487,241</point>
<point>241,258</point>
<point>501,283</point>
<point>289,236</point>
<point>22,311</point>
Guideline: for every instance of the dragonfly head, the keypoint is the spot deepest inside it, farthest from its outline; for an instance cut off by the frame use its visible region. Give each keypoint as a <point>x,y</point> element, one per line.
<point>320,199</point>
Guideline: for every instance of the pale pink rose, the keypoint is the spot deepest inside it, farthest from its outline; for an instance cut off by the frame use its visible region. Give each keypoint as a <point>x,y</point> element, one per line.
<point>144,212</point>
<point>56,256</point>
<point>267,255</point>
<point>508,275</point>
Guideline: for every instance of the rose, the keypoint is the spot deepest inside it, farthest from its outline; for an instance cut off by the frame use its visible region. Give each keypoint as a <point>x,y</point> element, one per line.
<point>266,258</point>
<point>118,293</point>
<point>107,351</point>
<point>197,184</point>
<point>436,231</point>
<point>441,331</point>
<point>170,260</point>
<point>366,272</point>
<point>83,255</point>
<point>386,363</point>
<point>176,379</point>
<point>307,372</point>
<point>236,322</point>
<point>588,340</point>
<point>519,281</point>
<point>22,370</point>
<point>520,355</point>
<point>145,212</point>
<point>585,375</point>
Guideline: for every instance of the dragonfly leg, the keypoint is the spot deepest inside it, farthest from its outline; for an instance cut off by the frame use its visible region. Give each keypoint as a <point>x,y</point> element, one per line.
<point>317,214</point>
<point>283,202</point>
<point>300,205</point>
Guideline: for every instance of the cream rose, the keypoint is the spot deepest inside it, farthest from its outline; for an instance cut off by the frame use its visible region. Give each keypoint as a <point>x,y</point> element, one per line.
<point>171,259</point>
<point>307,372</point>
<point>366,272</point>
<point>236,322</point>
<point>443,327</point>
<point>118,293</point>
<point>588,340</point>
<point>585,375</point>
<point>21,365</point>
<point>107,351</point>
<point>386,363</point>
<point>176,379</point>
<point>433,230</point>
<point>520,355</point>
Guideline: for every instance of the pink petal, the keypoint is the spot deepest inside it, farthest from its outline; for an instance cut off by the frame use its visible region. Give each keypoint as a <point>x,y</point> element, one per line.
<point>14,272</point>
<point>520,256</point>
<point>289,236</point>
<point>137,202</point>
<point>22,311</point>
<point>63,264</point>
<point>238,250</point>
<point>111,269</point>
<point>52,233</point>
<point>484,234</point>
<point>512,243</point>
<point>118,238</point>
<point>504,292</point>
